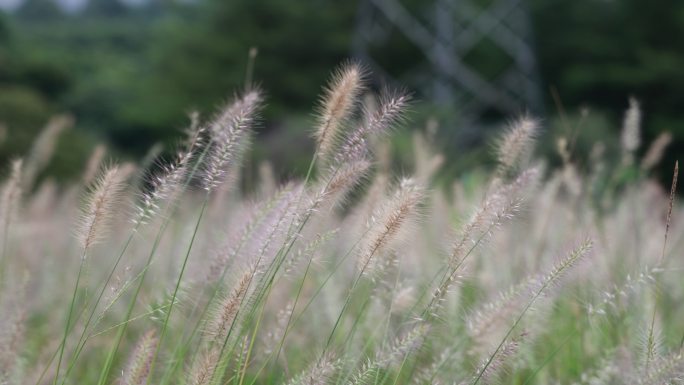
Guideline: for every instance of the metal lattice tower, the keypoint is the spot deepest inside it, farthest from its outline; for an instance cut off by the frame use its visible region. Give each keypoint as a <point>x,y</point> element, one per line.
<point>445,32</point>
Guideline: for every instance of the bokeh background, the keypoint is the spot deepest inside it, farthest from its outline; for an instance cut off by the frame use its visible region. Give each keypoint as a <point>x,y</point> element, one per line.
<point>128,72</point>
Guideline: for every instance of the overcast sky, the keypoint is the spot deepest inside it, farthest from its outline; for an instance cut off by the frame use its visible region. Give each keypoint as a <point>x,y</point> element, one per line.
<point>67,5</point>
<point>9,4</point>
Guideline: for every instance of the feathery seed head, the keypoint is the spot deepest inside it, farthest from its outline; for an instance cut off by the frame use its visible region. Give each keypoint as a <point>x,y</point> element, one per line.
<point>673,190</point>
<point>12,330</point>
<point>493,366</point>
<point>499,206</point>
<point>319,373</point>
<point>405,344</point>
<point>224,118</point>
<point>393,105</point>
<point>666,369</point>
<point>100,203</point>
<point>400,348</point>
<point>11,194</point>
<point>277,331</point>
<point>230,131</point>
<point>612,297</point>
<point>43,148</point>
<point>140,362</point>
<point>389,221</point>
<point>337,103</point>
<point>341,181</point>
<point>480,322</point>
<point>561,268</point>
<point>631,135</point>
<point>165,185</point>
<point>515,145</point>
<point>656,151</point>
<point>202,371</point>
<point>222,321</point>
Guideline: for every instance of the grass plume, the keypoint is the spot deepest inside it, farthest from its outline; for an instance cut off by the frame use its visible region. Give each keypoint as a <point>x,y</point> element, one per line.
<point>431,279</point>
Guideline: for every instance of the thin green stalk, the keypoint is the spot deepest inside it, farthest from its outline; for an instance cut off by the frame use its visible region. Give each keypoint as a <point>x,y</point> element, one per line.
<point>71,309</point>
<point>651,329</point>
<point>549,357</point>
<point>427,314</point>
<point>282,253</point>
<point>251,344</point>
<point>183,347</point>
<point>143,273</point>
<point>282,339</point>
<point>54,354</point>
<point>154,310</point>
<point>505,338</point>
<point>160,233</point>
<point>105,372</point>
<point>291,323</point>
<point>352,333</point>
<point>441,365</point>
<point>228,334</point>
<point>347,301</point>
<point>260,296</point>
<point>260,299</point>
<point>574,256</point>
<point>110,357</point>
<point>178,283</point>
<point>389,319</point>
<point>83,338</point>
<point>280,256</point>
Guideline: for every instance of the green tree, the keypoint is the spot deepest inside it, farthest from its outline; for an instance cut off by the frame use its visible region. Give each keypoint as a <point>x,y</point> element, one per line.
<point>39,10</point>
<point>600,52</point>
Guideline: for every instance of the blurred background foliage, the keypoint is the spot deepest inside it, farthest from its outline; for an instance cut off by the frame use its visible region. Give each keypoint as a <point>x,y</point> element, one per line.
<point>129,73</point>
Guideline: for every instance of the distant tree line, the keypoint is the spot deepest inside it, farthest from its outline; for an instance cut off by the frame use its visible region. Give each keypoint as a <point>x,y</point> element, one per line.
<point>130,75</point>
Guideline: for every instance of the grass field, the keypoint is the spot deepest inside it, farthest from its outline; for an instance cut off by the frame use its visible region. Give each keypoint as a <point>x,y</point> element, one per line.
<point>167,272</point>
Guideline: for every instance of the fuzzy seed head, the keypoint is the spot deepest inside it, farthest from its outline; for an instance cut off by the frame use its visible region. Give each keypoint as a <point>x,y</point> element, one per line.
<point>395,353</point>
<point>499,206</point>
<point>494,364</point>
<point>12,331</point>
<point>104,195</point>
<point>631,135</point>
<point>140,362</point>
<point>165,185</point>
<point>337,103</point>
<point>342,181</point>
<point>656,151</point>
<point>390,113</point>
<point>43,148</point>
<point>220,325</point>
<point>514,146</point>
<point>11,195</point>
<point>389,221</point>
<point>229,131</point>
<point>319,373</point>
<point>203,370</point>
<point>482,320</point>
<point>561,268</point>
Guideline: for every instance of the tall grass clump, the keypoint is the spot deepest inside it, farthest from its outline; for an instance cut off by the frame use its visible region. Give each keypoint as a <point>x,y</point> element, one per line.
<point>355,274</point>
